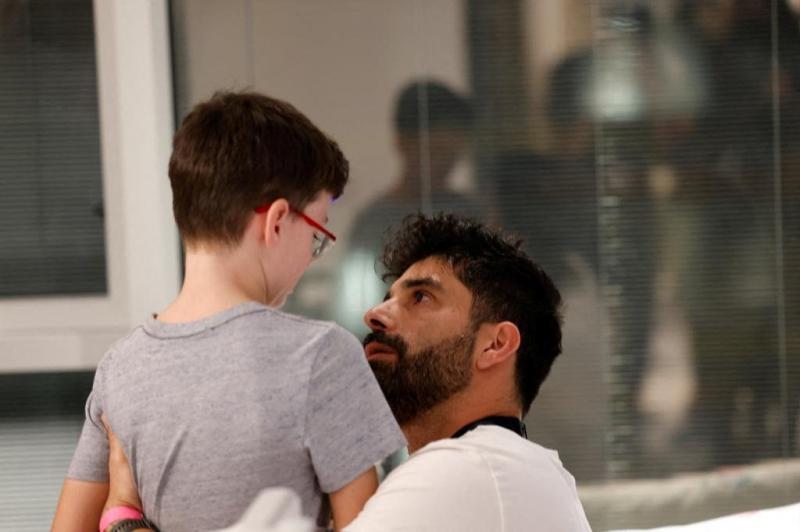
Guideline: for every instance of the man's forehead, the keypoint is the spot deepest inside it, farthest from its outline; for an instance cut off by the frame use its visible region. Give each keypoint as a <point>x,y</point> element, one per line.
<point>432,272</point>
<point>429,267</point>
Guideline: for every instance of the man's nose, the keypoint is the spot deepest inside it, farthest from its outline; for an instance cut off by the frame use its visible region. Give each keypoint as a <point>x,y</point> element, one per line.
<point>379,317</point>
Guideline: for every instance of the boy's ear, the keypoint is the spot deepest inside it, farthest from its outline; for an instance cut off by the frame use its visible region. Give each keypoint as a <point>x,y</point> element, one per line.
<point>274,219</point>
<point>500,341</point>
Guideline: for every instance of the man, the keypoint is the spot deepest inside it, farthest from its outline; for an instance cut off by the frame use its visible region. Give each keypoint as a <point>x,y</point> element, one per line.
<point>460,346</point>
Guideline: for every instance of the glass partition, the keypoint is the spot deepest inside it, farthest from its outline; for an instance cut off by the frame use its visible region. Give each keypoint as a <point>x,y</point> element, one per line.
<point>645,151</point>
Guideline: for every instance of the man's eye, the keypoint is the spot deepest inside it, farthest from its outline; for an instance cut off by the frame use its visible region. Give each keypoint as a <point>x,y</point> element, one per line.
<point>420,296</point>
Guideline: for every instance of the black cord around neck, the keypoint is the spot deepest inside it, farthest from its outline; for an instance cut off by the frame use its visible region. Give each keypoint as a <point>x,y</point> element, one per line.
<point>507,422</point>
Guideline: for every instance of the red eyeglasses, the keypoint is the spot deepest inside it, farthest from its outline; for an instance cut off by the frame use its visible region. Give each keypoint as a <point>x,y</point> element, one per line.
<point>322,242</point>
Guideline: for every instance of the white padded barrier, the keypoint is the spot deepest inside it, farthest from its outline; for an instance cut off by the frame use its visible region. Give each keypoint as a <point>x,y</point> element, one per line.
<point>691,498</point>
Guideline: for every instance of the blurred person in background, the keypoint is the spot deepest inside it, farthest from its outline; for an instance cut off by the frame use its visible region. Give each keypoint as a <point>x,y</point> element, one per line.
<point>553,201</point>
<point>432,126</point>
<point>688,165</point>
<point>790,191</point>
<point>550,199</point>
<point>725,191</point>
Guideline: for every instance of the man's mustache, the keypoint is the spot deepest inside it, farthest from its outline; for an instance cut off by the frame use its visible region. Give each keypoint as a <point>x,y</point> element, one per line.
<point>390,340</point>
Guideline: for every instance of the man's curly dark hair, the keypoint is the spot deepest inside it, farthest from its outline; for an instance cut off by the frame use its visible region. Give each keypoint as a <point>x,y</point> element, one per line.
<point>506,285</point>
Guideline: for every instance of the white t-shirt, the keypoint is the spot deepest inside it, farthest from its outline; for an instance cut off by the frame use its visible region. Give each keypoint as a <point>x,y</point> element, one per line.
<point>489,480</point>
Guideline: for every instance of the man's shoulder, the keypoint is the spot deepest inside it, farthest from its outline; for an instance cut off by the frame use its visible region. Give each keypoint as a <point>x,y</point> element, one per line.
<point>500,447</point>
<point>497,457</point>
<point>525,471</point>
<point>440,487</point>
<point>493,474</point>
<point>447,462</point>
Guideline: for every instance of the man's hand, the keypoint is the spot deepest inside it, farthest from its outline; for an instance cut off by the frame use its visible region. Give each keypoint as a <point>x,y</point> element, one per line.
<point>122,489</point>
<point>79,506</point>
<point>81,502</point>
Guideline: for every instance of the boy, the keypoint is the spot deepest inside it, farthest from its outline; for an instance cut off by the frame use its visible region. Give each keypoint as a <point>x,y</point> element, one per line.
<point>221,392</point>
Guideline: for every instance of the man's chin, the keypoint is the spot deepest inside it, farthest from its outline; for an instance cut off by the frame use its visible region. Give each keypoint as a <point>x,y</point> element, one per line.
<point>398,395</point>
<point>385,373</point>
<point>382,366</point>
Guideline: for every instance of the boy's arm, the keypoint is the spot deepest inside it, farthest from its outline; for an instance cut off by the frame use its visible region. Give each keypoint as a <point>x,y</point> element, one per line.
<point>348,501</point>
<point>349,427</point>
<point>81,502</point>
<point>80,506</point>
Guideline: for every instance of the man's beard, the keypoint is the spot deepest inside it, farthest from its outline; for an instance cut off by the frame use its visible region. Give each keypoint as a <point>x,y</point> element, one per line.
<point>416,382</point>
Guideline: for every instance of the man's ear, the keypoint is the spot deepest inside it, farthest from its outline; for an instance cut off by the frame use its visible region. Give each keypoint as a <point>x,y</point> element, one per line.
<point>274,218</point>
<point>500,342</point>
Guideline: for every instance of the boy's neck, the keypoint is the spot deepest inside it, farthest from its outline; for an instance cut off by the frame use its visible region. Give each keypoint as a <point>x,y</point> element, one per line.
<point>214,281</point>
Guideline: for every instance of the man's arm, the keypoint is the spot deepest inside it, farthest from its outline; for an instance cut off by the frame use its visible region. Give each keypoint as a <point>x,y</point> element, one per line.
<point>79,506</point>
<point>348,501</point>
<point>349,427</point>
<point>121,490</point>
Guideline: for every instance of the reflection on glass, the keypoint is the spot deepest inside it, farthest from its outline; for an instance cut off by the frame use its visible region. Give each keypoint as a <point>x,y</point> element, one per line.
<point>650,160</point>
<point>432,127</point>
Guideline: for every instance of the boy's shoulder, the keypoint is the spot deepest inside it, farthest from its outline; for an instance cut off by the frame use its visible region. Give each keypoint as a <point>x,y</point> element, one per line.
<point>253,321</point>
<point>289,319</point>
<point>307,329</point>
<point>121,345</point>
<point>326,341</point>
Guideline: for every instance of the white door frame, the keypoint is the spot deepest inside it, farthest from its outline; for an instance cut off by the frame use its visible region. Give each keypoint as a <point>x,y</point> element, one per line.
<point>142,248</point>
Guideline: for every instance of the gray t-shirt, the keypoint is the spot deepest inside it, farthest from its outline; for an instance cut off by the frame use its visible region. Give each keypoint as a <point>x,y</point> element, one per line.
<point>243,400</point>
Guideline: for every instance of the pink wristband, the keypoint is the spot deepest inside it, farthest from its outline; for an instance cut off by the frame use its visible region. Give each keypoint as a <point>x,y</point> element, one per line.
<point>117,513</point>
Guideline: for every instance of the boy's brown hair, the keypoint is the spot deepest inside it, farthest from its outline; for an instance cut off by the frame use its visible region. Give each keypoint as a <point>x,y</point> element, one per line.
<point>237,151</point>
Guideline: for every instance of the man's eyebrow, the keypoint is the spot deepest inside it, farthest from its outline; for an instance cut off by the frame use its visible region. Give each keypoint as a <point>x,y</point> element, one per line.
<point>429,282</point>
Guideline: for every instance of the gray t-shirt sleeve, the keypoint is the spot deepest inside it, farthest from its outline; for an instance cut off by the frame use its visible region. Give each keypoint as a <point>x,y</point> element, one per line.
<point>349,426</point>
<point>90,461</point>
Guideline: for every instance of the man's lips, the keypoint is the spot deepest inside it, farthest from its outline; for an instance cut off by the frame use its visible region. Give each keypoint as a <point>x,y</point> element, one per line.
<point>375,350</point>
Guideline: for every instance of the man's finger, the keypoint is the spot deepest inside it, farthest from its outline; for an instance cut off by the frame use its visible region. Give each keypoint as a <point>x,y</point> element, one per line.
<point>112,438</point>
<point>122,488</point>
<point>116,454</point>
